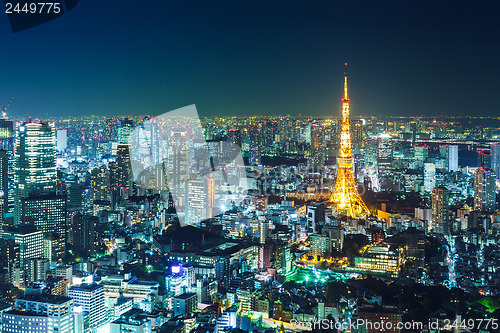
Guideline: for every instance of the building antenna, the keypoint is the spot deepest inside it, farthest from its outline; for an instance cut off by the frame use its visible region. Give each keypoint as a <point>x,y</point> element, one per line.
<point>4,109</point>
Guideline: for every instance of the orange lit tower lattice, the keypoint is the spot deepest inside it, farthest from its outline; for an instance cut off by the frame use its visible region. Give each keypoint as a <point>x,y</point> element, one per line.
<point>346,195</point>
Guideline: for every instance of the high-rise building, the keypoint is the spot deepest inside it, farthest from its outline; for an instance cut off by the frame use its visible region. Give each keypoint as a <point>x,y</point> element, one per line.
<point>440,207</point>
<point>253,145</point>
<point>54,246</point>
<point>10,254</point>
<point>384,156</point>
<point>110,129</point>
<point>90,297</point>
<point>452,158</point>
<point>321,245</point>
<point>485,190</point>
<point>7,161</point>
<point>200,199</point>
<point>30,243</point>
<point>35,163</point>
<point>46,212</point>
<point>178,160</point>
<point>185,304</point>
<point>315,215</point>
<point>62,139</point>
<point>495,158</point>
<point>124,170</point>
<point>83,227</point>
<point>484,158</point>
<point>24,322</point>
<point>41,313</point>
<point>318,144</point>
<point>346,195</point>
<point>4,186</point>
<point>336,234</point>
<point>125,129</point>
<point>420,154</point>
<point>429,177</point>
<point>38,269</point>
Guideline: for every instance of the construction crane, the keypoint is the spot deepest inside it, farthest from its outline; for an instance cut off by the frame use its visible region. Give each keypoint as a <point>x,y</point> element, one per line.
<point>4,109</point>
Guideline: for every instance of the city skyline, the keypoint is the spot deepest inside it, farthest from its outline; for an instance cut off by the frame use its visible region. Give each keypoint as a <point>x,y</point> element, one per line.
<point>234,59</point>
<point>195,167</point>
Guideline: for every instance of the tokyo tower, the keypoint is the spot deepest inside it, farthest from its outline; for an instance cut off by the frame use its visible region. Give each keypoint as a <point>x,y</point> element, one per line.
<point>346,195</point>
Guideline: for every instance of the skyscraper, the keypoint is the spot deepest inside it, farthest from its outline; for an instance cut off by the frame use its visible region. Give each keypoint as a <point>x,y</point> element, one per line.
<point>495,158</point>
<point>346,195</point>
<point>178,160</point>
<point>125,128</point>
<point>200,199</point>
<point>253,145</point>
<point>123,170</point>
<point>4,185</point>
<point>30,243</point>
<point>318,145</point>
<point>384,156</point>
<point>452,158</point>
<point>7,160</point>
<point>62,139</point>
<point>83,227</point>
<point>440,210</point>
<point>429,176</point>
<point>35,162</point>
<point>484,190</point>
<point>47,212</point>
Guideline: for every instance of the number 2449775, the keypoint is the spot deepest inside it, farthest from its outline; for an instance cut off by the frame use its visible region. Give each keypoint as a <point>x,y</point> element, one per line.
<point>33,8</point>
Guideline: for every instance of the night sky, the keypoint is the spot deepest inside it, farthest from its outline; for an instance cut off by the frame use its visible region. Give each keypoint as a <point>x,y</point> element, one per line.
<point>239,57</point>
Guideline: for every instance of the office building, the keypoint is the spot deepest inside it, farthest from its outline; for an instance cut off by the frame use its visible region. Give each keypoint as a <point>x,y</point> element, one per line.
<point>47,212</point>
<point>320,245</point>
<point>185,304</point>
<point>336,234</point>
<point>7,164</point>
<point>429,177</point>
<point>254,145</point>
<point>485,190</point>
<point>385,155</point>
<point>378,260</point>
<point>58,311</point>
<point>318,145</point>
<point>24,322</point>
<point>200,199</point>
<point>90,297</point>
<point>84,237</point>
<point>100,184</point>
<point>124,170</point>
<point>30,243</point>
<point>440,206</point>
<point>452,158</point>
<point>35,163</point>
<point>62,140</point>
<point>495,158</point>
<point>133,320</point>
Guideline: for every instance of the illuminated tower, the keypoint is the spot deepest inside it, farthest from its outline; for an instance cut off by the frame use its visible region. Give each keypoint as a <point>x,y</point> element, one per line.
<point>346,195</point>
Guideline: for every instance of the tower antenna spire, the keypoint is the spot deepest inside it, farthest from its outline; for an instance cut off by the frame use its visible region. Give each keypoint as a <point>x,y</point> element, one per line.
<point>346,97</point>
